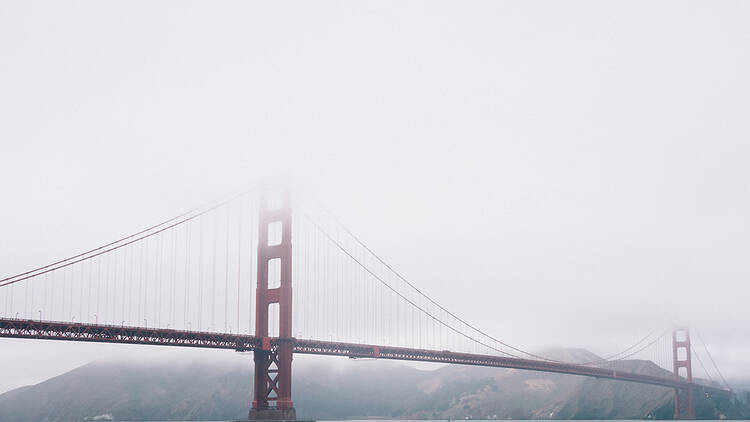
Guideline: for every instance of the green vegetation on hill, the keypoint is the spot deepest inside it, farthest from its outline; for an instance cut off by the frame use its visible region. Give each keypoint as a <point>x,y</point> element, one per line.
<point>344,389</point>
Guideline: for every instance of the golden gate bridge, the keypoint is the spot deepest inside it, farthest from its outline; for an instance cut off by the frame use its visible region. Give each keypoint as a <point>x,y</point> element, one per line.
<point>221,276</point>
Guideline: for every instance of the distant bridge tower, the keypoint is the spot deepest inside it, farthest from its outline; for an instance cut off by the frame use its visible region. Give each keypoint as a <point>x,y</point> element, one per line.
<point>272,399</point>
<point>683,398</point>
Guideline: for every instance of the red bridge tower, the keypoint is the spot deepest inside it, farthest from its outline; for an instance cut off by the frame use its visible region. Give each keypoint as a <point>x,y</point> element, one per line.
<point>683,398</point>
<point>272,399</point>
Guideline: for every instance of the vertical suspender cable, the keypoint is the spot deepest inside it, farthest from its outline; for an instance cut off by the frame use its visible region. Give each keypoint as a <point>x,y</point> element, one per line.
<point>239,263</point>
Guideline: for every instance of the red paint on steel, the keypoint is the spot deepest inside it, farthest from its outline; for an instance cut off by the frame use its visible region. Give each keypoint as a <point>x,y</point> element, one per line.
<point>683,398</point>
<point>273,364</point>
<point>49,330</point>
<point>99,333</point>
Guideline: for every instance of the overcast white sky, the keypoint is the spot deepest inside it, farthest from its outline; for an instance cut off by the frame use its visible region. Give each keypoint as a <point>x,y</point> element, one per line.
<point>579,169</point>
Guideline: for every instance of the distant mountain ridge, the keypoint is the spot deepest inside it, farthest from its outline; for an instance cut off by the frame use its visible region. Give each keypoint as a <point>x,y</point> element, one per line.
<point>345,389</point>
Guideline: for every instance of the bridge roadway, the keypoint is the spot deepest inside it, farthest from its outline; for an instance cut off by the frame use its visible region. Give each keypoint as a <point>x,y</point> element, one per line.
<point>51,330</point>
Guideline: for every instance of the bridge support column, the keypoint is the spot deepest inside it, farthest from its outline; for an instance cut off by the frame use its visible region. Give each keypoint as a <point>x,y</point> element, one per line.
<point>683,398</point>
<point>272,397</point>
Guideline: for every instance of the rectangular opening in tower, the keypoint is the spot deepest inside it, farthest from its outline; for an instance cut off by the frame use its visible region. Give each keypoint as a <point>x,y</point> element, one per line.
<point>275,230</point>
<point>273,320</point>
<point>681,353</point>
<point>682,372</point>
<point>274,273</point>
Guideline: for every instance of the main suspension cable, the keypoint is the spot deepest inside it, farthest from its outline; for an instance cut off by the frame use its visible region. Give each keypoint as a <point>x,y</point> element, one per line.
<point>383,282</point>
<point>712,359</point>
<point>97,249</point>
<point>700,361</point>
<point>612,357</point>
<point>114,245</point>
<point>416,289</point>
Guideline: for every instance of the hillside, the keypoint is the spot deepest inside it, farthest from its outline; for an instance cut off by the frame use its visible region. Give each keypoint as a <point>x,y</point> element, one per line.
<point>342,389</point>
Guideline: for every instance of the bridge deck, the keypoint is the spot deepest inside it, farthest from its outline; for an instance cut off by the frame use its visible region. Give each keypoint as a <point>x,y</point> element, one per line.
<point>50,330</point>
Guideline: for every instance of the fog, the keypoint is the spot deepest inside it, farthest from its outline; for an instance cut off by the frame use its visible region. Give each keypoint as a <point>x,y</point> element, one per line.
<point>558,173</point>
